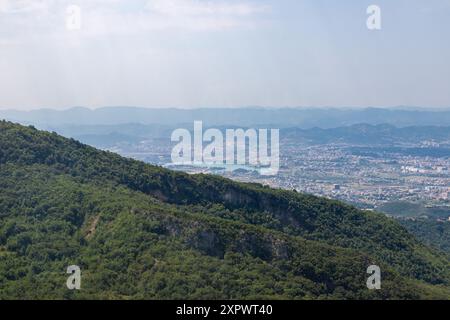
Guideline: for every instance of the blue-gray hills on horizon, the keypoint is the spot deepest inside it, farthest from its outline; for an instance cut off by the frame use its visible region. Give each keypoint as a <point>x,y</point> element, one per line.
<point>253,116</point>
<point>105,127</point>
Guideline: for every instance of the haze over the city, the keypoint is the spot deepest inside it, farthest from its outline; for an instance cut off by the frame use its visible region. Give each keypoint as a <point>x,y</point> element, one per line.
<point>223,53</point>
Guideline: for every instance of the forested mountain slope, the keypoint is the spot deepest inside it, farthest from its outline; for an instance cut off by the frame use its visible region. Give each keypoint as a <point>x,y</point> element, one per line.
<point>431,232</point>
<point>140,231</point>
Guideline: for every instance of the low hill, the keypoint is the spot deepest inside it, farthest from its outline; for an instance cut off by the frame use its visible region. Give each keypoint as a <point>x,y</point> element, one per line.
<point>434,233</point>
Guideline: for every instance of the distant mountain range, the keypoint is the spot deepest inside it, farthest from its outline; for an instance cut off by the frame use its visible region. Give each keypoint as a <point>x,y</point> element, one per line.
<point>104,136</point>
<point>248,117</point>
<point>383,134</point>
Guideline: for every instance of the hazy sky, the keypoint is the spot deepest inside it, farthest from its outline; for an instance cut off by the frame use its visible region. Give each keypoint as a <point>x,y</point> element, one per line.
<point>219,53</point>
